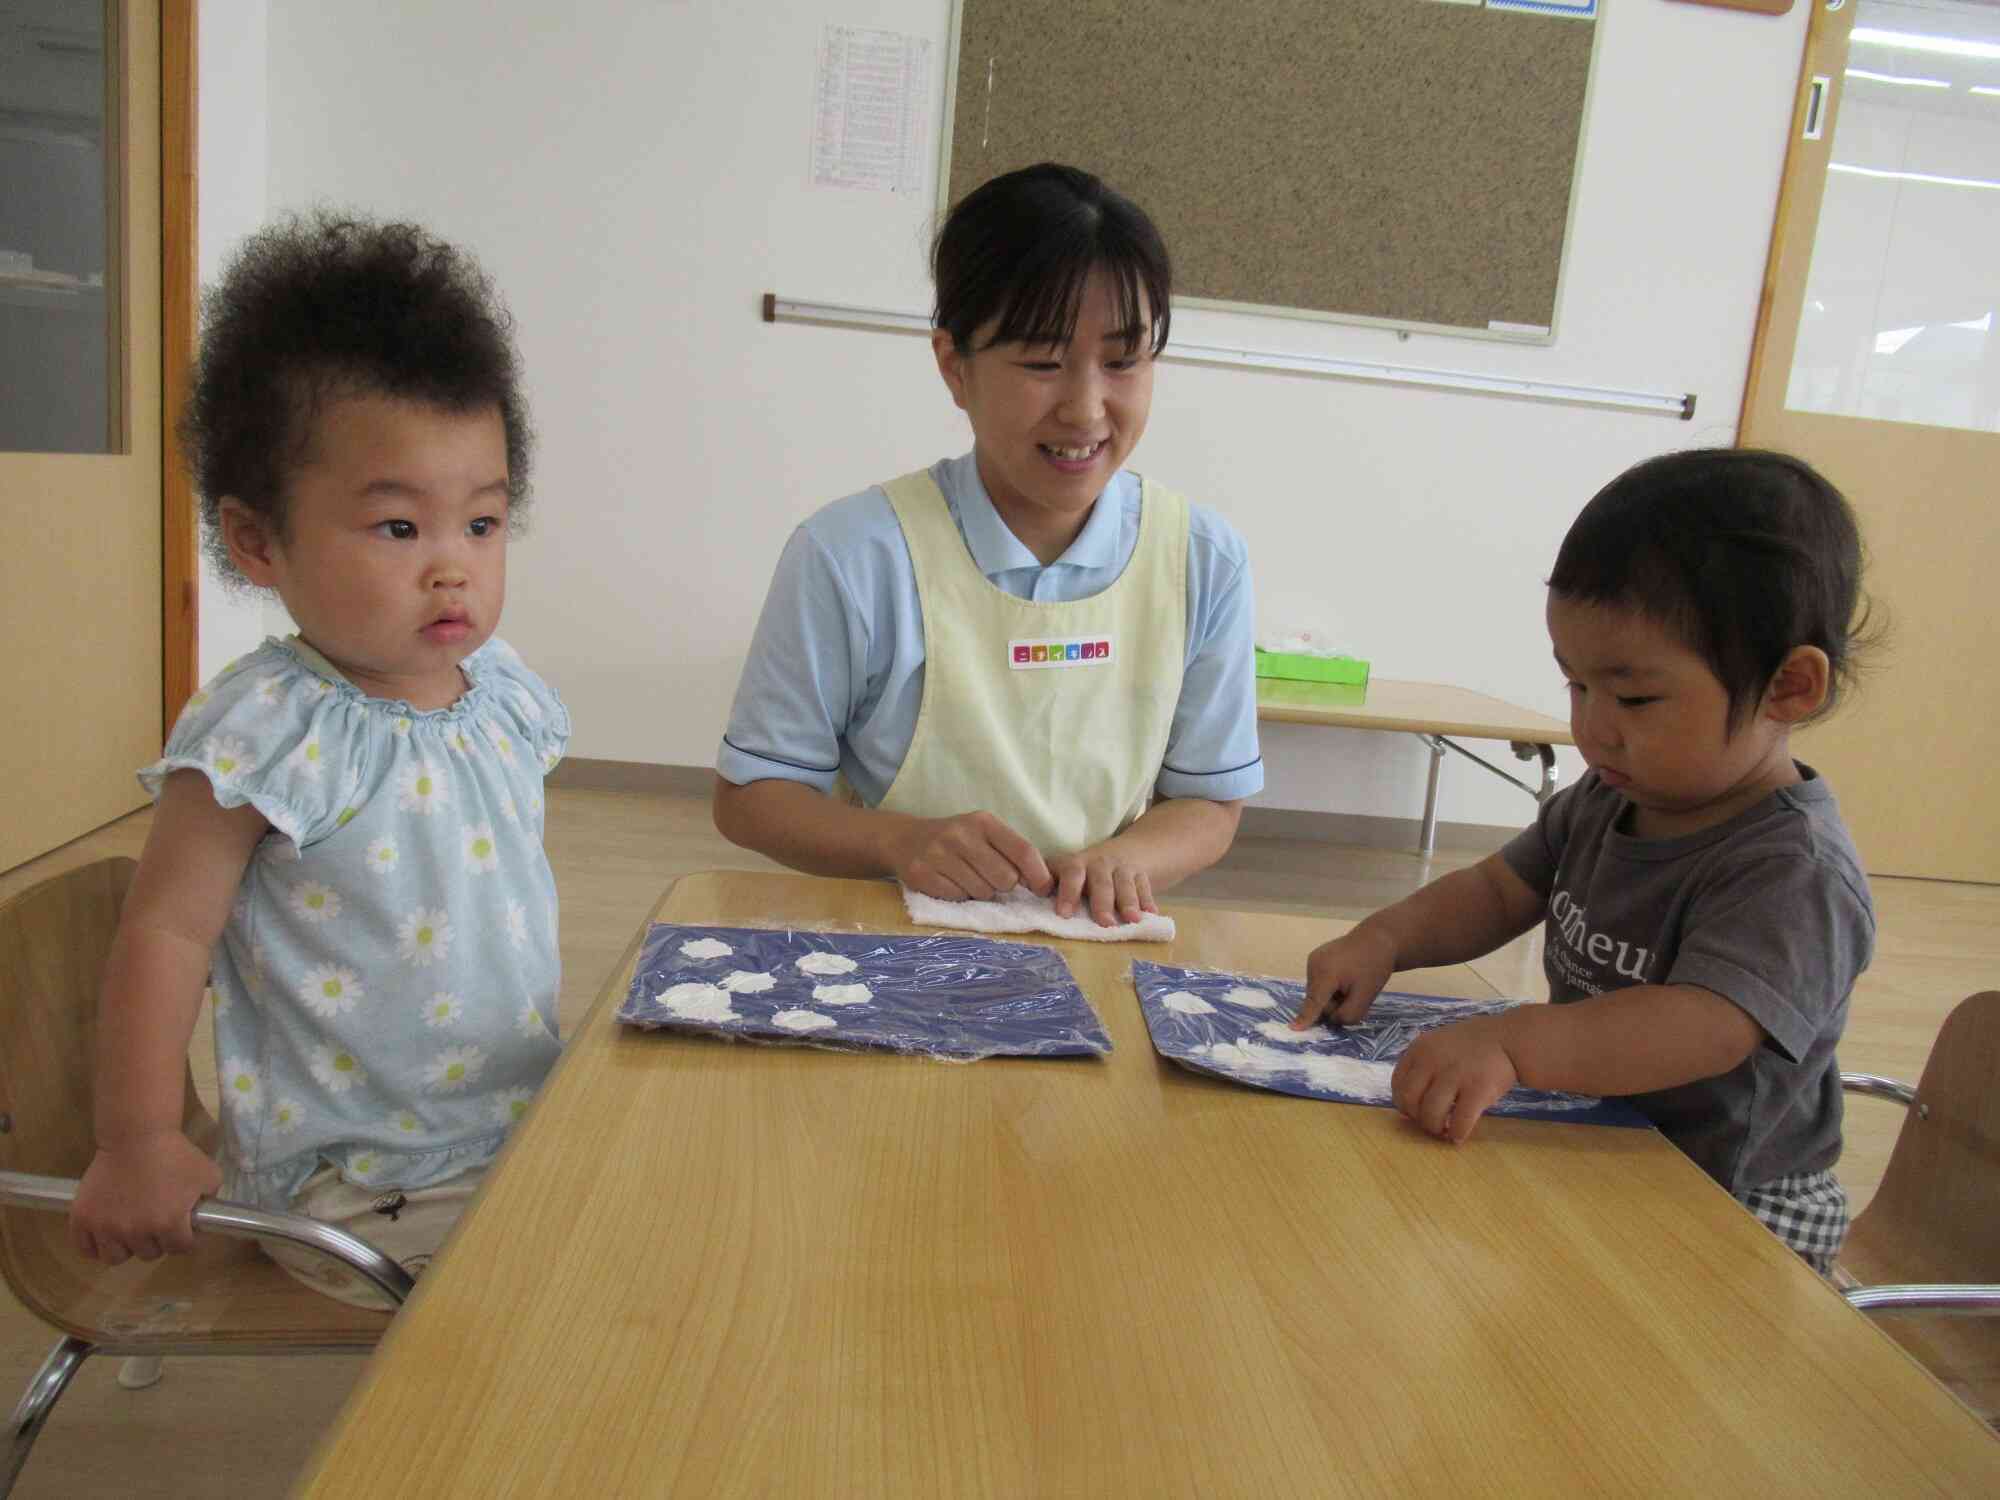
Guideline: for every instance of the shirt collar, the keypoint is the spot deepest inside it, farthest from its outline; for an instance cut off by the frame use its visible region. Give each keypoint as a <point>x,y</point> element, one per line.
<point>995,549</point>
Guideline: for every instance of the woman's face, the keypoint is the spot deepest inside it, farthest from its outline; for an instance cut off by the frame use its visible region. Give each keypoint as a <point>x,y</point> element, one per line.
<point>1052,423</point>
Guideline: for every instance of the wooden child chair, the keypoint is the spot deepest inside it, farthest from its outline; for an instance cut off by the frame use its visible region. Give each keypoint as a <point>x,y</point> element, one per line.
<point>225,1298</point>
<point>1929,1241</point>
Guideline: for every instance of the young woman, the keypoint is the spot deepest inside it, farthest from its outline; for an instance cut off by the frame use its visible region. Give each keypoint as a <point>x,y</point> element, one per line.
<point>1025,666</point>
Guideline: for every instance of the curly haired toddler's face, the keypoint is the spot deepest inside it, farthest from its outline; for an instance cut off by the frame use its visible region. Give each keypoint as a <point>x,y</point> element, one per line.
<point>393,557</point>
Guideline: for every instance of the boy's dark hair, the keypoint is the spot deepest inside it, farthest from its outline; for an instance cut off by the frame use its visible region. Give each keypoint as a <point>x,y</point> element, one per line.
<point>1020,247</point>
<point>1741,553</point>
<point>330,304</point>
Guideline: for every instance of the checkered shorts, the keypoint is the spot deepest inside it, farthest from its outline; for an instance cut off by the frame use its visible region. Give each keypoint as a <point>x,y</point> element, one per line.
<point>1807,1210</point>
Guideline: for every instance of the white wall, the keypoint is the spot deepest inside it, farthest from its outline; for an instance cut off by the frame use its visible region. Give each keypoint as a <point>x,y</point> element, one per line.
<point>635,179</point>
<point>231,166</point>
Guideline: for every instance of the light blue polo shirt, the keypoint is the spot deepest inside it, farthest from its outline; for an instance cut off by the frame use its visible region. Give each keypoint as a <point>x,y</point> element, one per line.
<point>835,674</point>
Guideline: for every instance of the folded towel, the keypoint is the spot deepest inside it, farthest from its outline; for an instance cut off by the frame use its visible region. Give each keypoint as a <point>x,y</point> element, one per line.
<point>1021,910</point>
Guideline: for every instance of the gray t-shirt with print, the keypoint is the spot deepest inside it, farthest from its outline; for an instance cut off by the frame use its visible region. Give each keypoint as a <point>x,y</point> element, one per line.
<point>1770,910</point>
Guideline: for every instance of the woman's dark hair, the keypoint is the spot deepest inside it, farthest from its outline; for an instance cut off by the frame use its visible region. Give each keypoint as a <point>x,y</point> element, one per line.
<point>327,304</point>
<point>1742,554</point>
<point>1020,248</point>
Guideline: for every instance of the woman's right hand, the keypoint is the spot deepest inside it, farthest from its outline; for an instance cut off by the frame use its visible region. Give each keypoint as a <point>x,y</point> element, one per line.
<point>971,857</point>
<point>138,1198</point>
<point>1344,976</point>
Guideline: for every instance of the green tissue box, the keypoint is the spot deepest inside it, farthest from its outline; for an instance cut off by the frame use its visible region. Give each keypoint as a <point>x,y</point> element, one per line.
<point>1300,668</point>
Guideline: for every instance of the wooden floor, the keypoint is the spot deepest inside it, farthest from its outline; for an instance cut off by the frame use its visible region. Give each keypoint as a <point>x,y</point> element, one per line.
<point>243,1427</point>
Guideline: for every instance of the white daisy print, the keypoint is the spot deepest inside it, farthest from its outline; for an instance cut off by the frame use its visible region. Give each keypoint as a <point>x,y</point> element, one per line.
<point>315,902</point>
<point>405,1122</point>
<point>382,855</point>
<point>400,724</point>
<point>426,936</point>
<point>287,1115</point>
<point>507,808</point>
<point>197,699</point>
<point>508,1107</point>
<point>503,743</point>
<point>336,1070</point>
<point>218,1002</point>
<point>529,1022</point>
<point>269,689</point>
<point>364,1165</point>
<point>347,815</point>
<point>454,1068</point>
<point>321,687</point>
<point>549,759</point>
<point>517,924</point>
<point>482,855</point>
<point>424,789</point>
<point>442,1009</point>
<point>239,1084</point>
<point>229,756</point>
<point>308,760</point>
<point>329,990</point>
<point>460,741</point>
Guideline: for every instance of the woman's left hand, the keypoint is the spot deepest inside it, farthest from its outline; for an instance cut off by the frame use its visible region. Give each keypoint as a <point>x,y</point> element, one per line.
<point>1111,886</point>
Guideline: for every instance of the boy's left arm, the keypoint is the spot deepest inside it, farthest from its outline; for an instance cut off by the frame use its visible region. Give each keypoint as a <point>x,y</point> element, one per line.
<point>1631,1041</point>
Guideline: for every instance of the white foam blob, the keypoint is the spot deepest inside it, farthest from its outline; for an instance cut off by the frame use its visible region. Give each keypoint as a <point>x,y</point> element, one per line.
<point>842,994</point>
<point>826,963</point>
<point>698,1002</point>
<point>706,948</point>
<point>1248,998</point>
<point>747,982</point>
<point>1186,1003</point>
<point>1281,1031</point>
<point>1353,1076</point>
<point>802,1020</point>
<point>1348,1076</point>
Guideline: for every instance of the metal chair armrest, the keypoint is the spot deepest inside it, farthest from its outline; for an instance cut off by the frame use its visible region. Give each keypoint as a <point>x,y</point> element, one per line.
<point>1969,1298</point>
<point>237,1221</point>
<point>1882,1088</point>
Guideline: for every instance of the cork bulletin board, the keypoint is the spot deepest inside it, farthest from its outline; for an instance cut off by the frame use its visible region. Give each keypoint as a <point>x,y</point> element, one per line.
<point>1409,162</point>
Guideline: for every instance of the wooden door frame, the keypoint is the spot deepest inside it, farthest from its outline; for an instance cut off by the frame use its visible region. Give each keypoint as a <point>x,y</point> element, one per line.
<point>180,551</point>
<point>1800,188</point>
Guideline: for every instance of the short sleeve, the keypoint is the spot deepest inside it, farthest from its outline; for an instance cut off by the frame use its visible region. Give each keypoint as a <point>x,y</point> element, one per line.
<point>1212,749</point>
<point>1784,938</point>
<point>799,687</point>
<point>520,703</point>
<point>267,733</point>
<point>1536,851</point>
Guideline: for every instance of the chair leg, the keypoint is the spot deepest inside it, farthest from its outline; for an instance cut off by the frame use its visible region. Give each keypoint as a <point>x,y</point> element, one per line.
<point>35,1405</point>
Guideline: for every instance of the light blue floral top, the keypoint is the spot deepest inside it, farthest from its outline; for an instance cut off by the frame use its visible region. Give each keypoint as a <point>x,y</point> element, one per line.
<point>385,988</point>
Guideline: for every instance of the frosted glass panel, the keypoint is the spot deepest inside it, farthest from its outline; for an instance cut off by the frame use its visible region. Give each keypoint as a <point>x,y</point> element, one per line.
<point>1900,318</point>
<point>55,333</point>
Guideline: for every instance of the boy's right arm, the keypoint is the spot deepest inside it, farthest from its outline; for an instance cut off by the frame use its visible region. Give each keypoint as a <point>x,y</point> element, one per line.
<point>141,1187</point>
<point>1463,915</point>
<point>973,856</point>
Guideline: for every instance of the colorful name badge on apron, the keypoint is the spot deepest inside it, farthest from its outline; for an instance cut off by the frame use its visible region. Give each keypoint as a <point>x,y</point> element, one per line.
<point>1070,651</point>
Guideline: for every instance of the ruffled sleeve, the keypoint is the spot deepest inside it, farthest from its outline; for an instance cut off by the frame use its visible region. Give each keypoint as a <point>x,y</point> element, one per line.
<point>266,732</point>
<point>520,705</point>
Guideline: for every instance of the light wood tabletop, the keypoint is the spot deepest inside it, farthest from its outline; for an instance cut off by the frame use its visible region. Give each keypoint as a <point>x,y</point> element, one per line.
<point>1416,707</point>
<point>712,1268</point>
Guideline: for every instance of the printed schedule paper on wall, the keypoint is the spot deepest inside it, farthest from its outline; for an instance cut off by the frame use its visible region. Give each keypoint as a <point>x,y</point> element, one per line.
<point>871,104</point>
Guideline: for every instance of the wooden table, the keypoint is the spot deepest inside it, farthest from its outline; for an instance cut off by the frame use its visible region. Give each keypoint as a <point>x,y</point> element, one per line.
<point>1435,713</point>
<point>715,1269</point>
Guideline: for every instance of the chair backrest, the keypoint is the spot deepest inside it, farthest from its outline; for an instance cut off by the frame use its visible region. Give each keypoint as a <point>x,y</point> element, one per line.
<point>54,940</point>
<point>1936,1216</point>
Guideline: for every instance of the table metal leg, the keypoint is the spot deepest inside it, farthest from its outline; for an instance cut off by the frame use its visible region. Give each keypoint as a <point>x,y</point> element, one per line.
<point>1427,838</point>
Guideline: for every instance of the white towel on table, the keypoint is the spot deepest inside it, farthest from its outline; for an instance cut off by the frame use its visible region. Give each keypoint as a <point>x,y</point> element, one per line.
<point>1021,910</point>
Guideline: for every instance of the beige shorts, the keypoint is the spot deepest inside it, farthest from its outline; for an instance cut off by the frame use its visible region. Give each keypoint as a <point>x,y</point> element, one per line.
<point>407,1225</point>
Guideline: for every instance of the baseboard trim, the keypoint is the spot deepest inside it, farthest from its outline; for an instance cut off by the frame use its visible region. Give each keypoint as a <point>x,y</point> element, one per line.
<point>581,774</point>
<point>1365,830</point>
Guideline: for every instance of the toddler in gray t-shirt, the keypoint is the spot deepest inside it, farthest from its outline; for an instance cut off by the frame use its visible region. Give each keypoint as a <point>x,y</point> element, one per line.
<point>1706,913</point>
